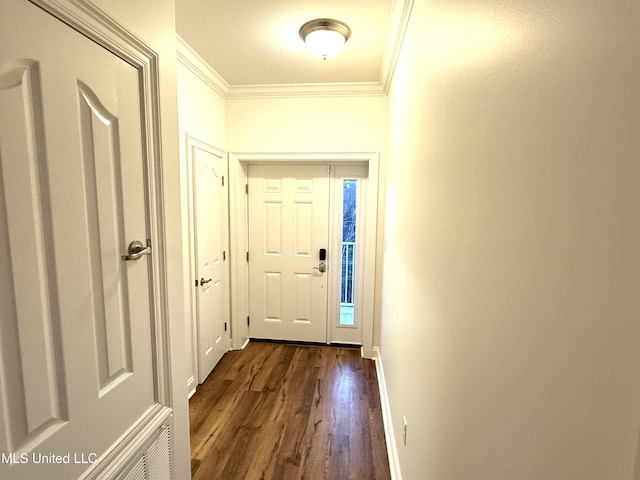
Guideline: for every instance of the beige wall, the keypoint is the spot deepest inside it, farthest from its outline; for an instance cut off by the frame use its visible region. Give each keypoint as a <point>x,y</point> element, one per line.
<point>313,124</point>
<point>153,21</point>
<point>201,110</point>
<point>511,305</point>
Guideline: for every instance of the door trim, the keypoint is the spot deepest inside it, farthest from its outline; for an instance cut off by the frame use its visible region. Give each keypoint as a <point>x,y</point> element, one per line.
<point>238,165</point>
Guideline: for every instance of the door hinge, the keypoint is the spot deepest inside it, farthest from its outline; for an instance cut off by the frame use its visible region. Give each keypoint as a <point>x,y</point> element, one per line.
<point>224,255</point>
<point>247,256</point>
<point>248,320</point>
<point>223,180</point>
<point>225,326</point>
<point>246,188</point>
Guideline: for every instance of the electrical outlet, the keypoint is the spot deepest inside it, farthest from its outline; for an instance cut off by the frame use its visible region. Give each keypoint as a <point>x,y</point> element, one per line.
<point>404,429</point>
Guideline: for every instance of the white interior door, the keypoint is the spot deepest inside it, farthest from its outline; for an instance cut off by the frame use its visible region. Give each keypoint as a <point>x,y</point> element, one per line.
<point>210,221</point>
<point>288,225</point>
<point>76,357</point>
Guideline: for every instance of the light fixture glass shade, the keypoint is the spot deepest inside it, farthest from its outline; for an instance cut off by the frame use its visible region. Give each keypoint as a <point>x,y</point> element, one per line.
<point>324,43</point>
<point>324,37</point>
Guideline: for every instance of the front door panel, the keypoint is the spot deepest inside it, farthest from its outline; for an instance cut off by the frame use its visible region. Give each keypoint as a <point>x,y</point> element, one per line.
<point>288,225</point>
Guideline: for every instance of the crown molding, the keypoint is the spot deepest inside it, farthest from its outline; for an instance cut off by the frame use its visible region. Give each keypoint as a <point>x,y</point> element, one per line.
<point>189,58</point>
<point>306,90</point>
<point>305,157</point>
<point>399,15</point>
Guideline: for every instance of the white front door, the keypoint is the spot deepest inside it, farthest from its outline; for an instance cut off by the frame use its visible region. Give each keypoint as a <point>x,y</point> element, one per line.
<point>210,225</point>
<point>288,226</point>
<point>76,356</point>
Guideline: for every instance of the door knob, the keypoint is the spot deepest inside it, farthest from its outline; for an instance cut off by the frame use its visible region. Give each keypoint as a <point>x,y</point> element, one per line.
<point>322,267</point>
<point>137,250</point>
<point>203,281</point>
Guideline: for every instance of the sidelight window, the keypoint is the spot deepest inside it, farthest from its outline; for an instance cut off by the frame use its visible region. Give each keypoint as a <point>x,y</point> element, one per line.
<point>349,232</point>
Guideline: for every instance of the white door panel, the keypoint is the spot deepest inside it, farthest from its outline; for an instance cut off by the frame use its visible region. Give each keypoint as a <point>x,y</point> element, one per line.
<point>288,225</point>
<point>210,221</point>
<point>75,344</point>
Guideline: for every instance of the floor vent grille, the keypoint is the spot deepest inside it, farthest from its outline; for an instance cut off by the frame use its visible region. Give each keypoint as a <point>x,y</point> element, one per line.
<point>155,463</point>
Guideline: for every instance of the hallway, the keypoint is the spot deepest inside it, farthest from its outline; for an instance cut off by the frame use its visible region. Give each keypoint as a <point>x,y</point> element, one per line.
<point>280,411</point>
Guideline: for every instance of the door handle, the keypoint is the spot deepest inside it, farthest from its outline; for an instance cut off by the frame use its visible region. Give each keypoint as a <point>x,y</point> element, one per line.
<point>137,250</point>
<point>203,281</point>
<point>322,267</point>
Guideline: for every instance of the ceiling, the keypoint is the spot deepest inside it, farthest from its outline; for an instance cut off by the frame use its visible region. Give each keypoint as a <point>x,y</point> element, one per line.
<point>254,46</point>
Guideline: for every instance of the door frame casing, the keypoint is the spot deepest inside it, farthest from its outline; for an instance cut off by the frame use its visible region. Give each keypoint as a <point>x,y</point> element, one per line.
<point>238,169</point>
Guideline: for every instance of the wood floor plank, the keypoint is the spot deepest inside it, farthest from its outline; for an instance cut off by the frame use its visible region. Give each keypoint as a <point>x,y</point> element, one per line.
<point>276,411</point>
<point>338,456</point>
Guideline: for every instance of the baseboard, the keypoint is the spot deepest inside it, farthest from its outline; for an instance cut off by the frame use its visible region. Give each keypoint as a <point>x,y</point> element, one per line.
<point>390,438</point>
<point>192,384</point>
<point>191,393</point>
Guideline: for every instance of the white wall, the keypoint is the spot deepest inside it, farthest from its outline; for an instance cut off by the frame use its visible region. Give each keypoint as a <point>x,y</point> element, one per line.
<point>312,124</point>
<point>201,115</point>
<point>201,110</point>
<point>153,21</point>
<point>511,312</point>
<point>307,124</point>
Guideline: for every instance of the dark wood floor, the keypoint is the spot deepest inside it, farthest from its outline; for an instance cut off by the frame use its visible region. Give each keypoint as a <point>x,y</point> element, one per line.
<point>286,412</point>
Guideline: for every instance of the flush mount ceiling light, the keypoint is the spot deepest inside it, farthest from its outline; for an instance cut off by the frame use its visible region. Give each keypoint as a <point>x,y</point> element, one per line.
<point>325,37</point>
